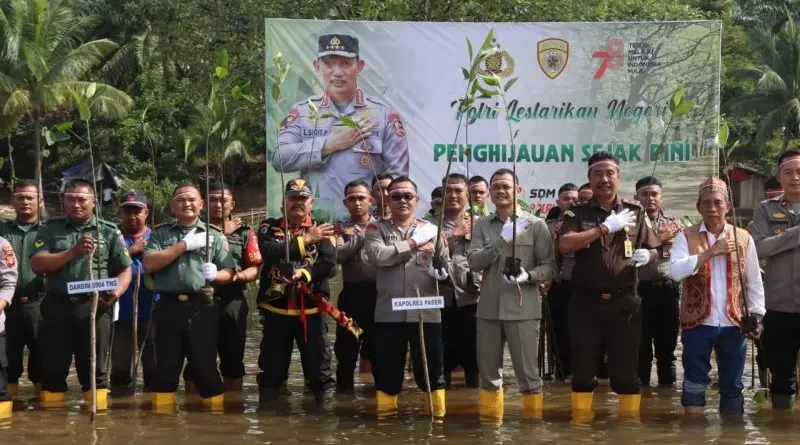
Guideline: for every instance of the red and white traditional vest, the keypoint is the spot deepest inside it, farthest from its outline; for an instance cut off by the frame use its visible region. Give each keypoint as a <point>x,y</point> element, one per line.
<point>696,293</point>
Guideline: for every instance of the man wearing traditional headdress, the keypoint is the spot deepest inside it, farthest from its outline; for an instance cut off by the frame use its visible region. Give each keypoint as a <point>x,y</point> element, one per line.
<point>722,294</point>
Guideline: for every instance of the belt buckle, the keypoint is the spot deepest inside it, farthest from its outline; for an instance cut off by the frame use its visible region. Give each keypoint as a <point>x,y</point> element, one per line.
<point>183,298</point>
<point>605,296</point>
<point>23,299</point>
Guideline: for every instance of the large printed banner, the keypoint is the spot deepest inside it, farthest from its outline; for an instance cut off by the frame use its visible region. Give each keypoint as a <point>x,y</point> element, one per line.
<point>581,88</point>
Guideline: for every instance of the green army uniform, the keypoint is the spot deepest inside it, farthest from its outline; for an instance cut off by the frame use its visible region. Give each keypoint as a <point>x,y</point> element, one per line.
<point>232,334</point>
<point>65,318</point>
<point>23,317</point>
<point>186,324</point>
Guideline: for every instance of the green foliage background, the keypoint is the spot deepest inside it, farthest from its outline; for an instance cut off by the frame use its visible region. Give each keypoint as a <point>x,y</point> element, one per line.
<point>168,50</point>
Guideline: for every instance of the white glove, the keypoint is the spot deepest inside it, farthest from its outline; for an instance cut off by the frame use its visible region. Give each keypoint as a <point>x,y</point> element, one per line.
<point>507,233</point>
<point>424,233</point>
<point>640,257</point>
<point>209,271</point>
<point>438,275</point>
<point>618,221</point>
<point>194,240</point>
<point>523,277</point>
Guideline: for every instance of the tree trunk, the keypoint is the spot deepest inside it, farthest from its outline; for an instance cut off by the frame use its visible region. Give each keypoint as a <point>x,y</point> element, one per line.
<point>37,137</point>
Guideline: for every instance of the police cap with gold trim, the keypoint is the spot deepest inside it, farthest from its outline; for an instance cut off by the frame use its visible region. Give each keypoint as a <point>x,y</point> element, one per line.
<point>298,187</point>
<point>338,45</point>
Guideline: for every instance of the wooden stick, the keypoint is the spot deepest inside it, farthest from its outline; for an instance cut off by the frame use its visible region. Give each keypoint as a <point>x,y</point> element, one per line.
<point>425,360</point>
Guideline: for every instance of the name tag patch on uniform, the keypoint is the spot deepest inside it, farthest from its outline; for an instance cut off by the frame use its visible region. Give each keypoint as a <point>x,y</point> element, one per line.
<point>82,287</point>
<point>413,304</point>
<point>779,215</point>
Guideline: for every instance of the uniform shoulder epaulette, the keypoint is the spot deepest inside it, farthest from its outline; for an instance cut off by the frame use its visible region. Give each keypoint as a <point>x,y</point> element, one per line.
<point>108,223</point>
<point>778,198</point>
<point>632,202</point>
<point>162,224</point>
<point>375,101</point>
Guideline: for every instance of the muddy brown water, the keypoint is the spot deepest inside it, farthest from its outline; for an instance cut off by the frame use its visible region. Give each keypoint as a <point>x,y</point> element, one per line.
<point>351,419</point>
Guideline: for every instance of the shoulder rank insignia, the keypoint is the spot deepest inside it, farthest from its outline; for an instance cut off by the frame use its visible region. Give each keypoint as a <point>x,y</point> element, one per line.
<point>8,256</point>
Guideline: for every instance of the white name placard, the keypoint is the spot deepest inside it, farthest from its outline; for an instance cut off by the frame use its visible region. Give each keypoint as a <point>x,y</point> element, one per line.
<point>83,287</point>
<point>413,304</point>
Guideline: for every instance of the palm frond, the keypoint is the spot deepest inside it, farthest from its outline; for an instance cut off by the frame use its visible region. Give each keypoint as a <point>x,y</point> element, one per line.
<point>236,149</point>
<point>773,121</point>
<point>771,81</point>
<point>107,103</point>
<point>80,61</point>
<point>758,102</point>
<point>17,103</point>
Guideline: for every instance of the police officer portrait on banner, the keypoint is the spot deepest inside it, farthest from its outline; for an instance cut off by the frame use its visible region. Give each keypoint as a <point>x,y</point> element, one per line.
<point>314,141</point>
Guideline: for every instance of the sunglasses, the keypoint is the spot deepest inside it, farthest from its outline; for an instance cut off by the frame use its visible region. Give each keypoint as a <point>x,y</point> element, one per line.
<point>402,196</point>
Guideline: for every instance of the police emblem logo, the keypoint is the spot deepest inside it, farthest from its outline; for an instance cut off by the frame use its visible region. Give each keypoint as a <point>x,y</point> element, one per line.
<point>335,43</point>
<point>365,160</point>
<point>553,55</point>
<point>38,243</point>
<point>399,129</point>
<point>293,115</point>
<point>778,232</point>
<point>132,196</point>
<point>499,63</point>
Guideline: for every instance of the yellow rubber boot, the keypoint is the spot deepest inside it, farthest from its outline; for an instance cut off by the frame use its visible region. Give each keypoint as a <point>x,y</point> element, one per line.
<point>581,401</point>
<point>163,402</point>
<point>13,389</point>
<point>102,399</point>
<point>387,404</point>
<point>5,409</point>
<point>52,400</point>
<point>629,405</point>
<point>491,406</point>
<point>438,403</point>
<point>215,403</point>
<point>532,405</point>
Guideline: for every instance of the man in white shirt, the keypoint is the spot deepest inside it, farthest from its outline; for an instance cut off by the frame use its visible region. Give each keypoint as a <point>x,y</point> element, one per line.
<point>721,288</point>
